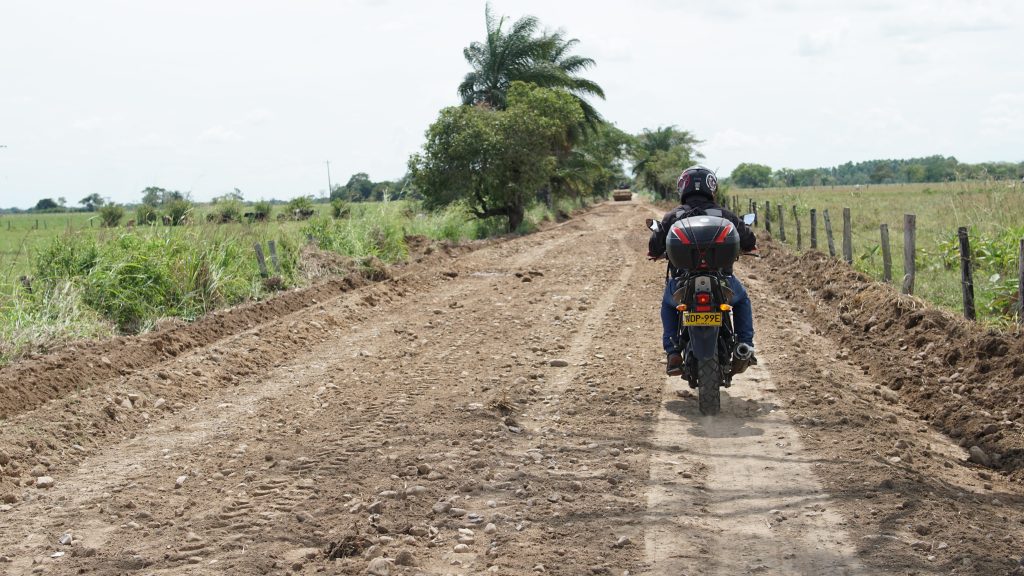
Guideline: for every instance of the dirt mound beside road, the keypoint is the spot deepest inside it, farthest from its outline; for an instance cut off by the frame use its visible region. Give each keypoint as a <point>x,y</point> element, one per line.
<point>965,379</point>
<point>27,384</point>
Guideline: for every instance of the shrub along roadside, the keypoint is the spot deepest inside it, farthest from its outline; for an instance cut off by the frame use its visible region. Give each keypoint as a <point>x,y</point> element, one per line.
<point>45,318</point>
<point>134,279</point>
<point>89,286</point>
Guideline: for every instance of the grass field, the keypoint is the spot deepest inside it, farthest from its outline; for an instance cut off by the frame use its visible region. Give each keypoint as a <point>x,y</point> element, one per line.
<point>993,212</point>
<point>89,281</point>
<point>23,235</point>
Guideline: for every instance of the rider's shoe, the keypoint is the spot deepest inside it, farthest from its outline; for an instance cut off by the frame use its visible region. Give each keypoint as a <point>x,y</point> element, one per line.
<point>674,364</point>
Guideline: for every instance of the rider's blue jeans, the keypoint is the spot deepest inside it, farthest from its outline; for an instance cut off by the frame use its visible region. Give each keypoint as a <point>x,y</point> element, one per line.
<point>742,315</point>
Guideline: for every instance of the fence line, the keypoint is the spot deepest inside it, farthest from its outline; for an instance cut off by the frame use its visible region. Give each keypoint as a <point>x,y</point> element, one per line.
<point>907,284</point>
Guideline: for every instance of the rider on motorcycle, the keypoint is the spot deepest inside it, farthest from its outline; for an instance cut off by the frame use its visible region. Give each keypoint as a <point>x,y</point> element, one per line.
<point>697,186</point>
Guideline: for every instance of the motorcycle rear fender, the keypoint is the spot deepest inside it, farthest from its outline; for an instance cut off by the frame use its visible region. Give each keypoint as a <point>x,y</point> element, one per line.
<point>704,341</point>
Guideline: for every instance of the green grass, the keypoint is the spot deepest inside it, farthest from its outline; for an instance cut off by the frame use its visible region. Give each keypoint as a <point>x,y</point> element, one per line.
<point>88,281</point>
<point>993,212</point>
<point>22,235</point>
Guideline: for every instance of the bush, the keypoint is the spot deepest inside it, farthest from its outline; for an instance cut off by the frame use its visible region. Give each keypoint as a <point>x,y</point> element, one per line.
<point>261,211</point>
<point>38,321</point>
<point>146,214</point>
<point>340,208</point>
<point>110,215</point>
<point>300,208</point>
<point>178,212</point>
<point>226,211</point>
<point>379,236</point>
<point>137,278</point>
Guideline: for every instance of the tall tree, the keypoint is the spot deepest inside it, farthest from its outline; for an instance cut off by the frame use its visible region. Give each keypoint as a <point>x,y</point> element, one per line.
<point>495,161</point>
<point>661,151</point>
<point>91,202</point>
<point>522,52</point>
<point>46,204</point>
<point>752,175</point>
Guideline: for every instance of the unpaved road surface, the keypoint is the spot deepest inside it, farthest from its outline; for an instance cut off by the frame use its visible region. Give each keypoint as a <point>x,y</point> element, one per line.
<point>499,411</point>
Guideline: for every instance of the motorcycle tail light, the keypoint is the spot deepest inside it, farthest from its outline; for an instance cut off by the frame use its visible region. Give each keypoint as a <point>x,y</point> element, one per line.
<point>703,298</point>
<point>703,309</point>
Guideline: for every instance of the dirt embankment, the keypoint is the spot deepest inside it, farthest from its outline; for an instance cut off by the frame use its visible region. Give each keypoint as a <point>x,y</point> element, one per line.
<point>963,378</point>
<point>28,384</point>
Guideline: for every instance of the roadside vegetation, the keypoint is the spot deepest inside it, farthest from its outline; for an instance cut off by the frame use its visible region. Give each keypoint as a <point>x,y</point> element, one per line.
<point>993,212</point>
<point>64,285</point>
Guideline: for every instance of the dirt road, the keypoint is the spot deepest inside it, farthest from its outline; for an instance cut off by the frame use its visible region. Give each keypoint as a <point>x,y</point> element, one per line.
<point>501,411</point>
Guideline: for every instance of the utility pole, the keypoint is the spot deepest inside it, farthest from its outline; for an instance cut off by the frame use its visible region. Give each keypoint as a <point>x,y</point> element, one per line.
<point>329,189</point>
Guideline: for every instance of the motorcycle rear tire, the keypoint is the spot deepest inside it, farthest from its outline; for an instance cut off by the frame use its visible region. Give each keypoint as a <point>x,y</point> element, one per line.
<point>709,381</point>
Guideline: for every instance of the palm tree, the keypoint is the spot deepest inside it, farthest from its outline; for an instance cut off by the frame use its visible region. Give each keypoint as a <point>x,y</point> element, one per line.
<point>570,65</point>
<point>523,53</point>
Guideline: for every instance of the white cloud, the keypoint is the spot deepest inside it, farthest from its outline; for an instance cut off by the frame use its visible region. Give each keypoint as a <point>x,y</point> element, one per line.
<point>150,141</point>
<point>883,121</point>
<point>923,21</point>
<point>732,139</point>
<point>820,42</point>
<point>88,124</point>
<point>258,116</point>
<point>219,134</point>
<point>1004,115</point>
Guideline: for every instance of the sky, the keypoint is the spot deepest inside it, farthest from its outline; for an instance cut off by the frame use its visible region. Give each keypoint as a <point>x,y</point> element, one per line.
<point>205,96</point>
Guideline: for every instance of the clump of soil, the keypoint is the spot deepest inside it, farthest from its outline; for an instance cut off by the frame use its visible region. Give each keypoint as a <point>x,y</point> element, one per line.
<point>964,378</point>
<point>348,546</point>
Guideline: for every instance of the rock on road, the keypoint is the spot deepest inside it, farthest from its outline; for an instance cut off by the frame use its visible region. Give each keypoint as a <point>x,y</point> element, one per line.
<point>502,411</point>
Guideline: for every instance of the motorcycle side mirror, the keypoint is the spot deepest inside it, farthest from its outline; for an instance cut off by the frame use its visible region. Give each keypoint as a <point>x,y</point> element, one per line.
<point>749,219</point>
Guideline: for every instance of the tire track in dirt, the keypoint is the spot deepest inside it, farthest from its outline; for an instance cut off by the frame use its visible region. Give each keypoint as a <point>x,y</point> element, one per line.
<point>737,493</point>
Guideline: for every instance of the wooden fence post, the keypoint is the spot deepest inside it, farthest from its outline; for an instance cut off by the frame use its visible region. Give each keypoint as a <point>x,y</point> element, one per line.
<point>909,251</point>
<point>782,225</point>
<point>966,276</point>
<point>273,257</point>
<point>886,254</point>
<point>261,261</point>
<point>799,237</point>
<point>828,234</point>
<point>755,212</point>
<point>1020,285</point>
<point>768,216</point>
<point>814,228</point>
<point>847,237</point>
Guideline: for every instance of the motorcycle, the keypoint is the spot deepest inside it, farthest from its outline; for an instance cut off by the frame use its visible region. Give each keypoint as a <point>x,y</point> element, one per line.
<point>702,250</point>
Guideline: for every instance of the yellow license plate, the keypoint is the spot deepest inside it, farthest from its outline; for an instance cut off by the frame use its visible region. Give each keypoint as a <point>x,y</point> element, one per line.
<point>702,319</point>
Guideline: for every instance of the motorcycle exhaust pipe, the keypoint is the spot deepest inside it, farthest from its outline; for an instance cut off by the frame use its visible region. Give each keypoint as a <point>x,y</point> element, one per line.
<point>743,351</point>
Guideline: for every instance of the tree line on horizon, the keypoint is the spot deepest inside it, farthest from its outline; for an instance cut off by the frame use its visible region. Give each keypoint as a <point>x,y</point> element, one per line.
<point>891,171</point>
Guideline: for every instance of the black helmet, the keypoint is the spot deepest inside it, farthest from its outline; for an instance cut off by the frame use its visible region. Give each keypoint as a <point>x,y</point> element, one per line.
<point>697,181</point>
